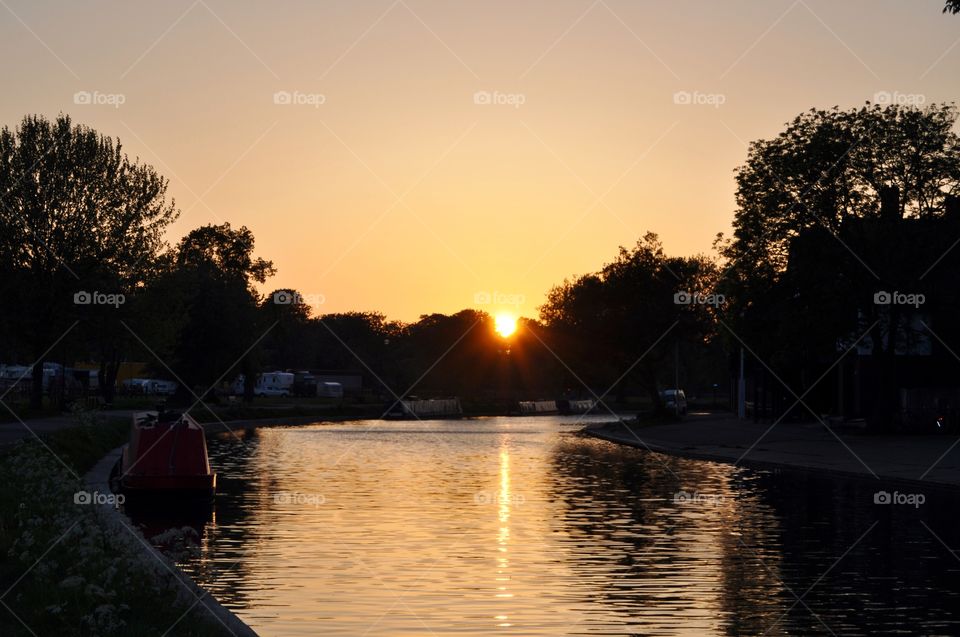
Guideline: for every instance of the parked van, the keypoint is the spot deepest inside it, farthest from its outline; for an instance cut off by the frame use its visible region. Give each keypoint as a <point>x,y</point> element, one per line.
<point>674,400</point>
<point>268,384</point>
<point>330,390</point>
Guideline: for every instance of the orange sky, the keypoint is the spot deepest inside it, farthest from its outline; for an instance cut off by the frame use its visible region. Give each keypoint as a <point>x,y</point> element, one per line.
<point>388,184</point>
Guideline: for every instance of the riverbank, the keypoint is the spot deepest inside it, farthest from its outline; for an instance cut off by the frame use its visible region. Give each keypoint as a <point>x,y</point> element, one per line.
<point>67,570</point>
<point>808,446</point>
<point>225,420</point>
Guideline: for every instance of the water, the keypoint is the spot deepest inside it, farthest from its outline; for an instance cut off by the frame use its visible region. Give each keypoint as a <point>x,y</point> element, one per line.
<point>516,526</point>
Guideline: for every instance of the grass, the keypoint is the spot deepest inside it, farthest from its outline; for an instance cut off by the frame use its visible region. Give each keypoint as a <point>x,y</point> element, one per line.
<point>23,410</point>
<point>62,573</point>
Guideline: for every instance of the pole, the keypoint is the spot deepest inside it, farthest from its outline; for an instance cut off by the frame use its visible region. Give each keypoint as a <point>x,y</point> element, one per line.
<point>676,376</point>
<point>741,392</point>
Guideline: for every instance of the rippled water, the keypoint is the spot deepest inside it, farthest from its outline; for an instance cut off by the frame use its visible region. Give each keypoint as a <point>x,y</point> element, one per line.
<point>510,526</point>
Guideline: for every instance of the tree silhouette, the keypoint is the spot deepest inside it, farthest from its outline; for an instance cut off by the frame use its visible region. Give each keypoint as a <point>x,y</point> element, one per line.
<point>75,213</point>
<point>621,324</point>
<point>215,305</point>
<point>821,226</point>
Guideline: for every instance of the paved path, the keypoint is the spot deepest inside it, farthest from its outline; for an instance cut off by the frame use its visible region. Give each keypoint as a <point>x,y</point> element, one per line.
<point>10,432</point>
<point>930,459</point>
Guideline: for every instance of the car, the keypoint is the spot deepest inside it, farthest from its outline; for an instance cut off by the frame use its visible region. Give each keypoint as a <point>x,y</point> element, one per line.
<point>674,400</point>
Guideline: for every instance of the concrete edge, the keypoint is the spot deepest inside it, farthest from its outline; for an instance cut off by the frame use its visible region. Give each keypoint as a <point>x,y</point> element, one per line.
<point>764,464</point>
<point>227,425</point>
<point>123,531</point>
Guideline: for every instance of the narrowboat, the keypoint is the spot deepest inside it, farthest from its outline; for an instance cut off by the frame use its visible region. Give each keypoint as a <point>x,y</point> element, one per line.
<point>166,458</point>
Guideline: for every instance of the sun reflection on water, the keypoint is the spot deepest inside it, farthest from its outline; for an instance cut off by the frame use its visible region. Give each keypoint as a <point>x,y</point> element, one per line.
<point>503,535</point>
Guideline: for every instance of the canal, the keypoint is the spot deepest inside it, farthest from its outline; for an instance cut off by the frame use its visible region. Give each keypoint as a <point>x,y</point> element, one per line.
<point>518,526</point>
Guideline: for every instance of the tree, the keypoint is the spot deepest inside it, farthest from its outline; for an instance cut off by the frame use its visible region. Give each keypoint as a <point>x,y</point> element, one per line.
<point>953,6</point>
<point>363,341</point>
<point>621,324</point>
<point>820,228</point>
<point>825,168</point>
<point>211,298</point>
<point>290,344</point>
<point>75,213</point>
<point>830,165</point>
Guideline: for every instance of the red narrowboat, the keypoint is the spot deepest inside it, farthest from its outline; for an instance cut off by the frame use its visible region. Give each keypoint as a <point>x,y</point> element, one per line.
<point>165,458</point>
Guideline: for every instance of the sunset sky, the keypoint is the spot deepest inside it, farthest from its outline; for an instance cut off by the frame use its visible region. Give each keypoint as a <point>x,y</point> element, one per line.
<point>389,184</point>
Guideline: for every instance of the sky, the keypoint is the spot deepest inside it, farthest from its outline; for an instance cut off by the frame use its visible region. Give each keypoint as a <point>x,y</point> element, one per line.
<point>420,156</point>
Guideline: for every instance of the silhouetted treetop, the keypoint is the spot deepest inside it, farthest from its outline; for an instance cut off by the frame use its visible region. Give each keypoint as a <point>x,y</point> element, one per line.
<point>828,165</point>
<point>227,251</point>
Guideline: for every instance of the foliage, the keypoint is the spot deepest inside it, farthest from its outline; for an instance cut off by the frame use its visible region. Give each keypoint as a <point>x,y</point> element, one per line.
<point>620,324</point>
<point>76,214</point>
<point>839,206</point>
<point>830,165</point>
<point>210,297</point>
<point>66,573</point>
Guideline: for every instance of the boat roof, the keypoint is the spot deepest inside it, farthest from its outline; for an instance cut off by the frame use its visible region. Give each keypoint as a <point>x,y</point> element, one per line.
<point>150,418</point>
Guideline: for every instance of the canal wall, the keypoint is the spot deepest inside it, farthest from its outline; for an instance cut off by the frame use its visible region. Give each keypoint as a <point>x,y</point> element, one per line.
<point>122,530</point>
<point>905,459</point>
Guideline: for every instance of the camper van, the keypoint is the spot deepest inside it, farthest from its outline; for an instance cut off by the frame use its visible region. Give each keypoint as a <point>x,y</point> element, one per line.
<point>268,384</point>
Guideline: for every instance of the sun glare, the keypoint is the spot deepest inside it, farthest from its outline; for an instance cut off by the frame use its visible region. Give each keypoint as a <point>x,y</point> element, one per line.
<point>506,324</point>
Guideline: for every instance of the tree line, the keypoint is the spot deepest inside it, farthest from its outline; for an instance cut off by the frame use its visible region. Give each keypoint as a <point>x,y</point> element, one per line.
<point>793,285</point>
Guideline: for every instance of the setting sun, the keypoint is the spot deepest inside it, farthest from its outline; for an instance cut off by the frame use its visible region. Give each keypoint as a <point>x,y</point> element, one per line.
<point>505,324</point>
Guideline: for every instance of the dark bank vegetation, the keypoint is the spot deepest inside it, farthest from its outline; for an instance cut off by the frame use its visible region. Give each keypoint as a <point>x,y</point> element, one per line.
<point>841,206</point>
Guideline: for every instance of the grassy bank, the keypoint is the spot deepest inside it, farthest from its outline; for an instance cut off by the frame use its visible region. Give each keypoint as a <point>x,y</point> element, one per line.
<point>22,410</point>
<point>62,573</point>
<point>241,411</point>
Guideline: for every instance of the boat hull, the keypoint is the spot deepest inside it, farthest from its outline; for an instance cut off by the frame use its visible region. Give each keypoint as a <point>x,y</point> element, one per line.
<point>166,459</point>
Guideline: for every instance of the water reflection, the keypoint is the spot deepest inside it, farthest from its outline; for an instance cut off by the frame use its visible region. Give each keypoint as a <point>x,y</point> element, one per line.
<point>674,535</point>
<point>518,527</point>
